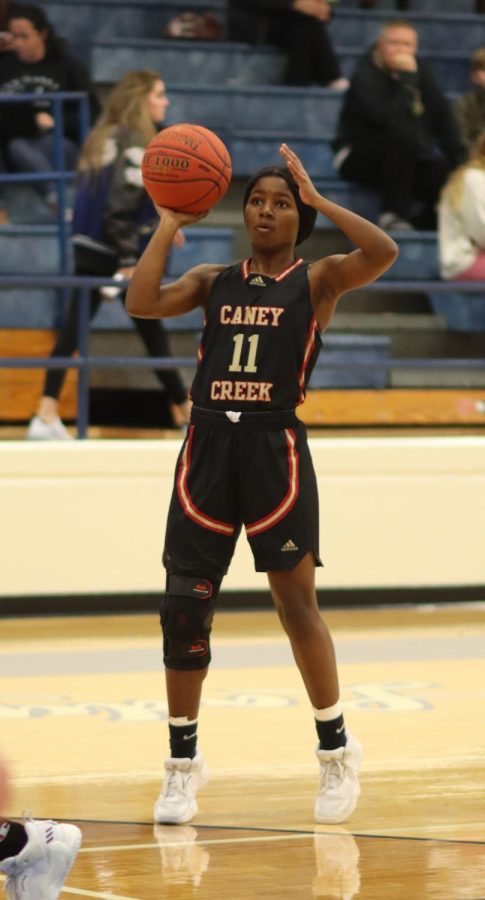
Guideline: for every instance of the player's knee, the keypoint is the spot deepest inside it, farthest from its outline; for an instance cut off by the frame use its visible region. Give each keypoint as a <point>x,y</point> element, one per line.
<point>186,614</point>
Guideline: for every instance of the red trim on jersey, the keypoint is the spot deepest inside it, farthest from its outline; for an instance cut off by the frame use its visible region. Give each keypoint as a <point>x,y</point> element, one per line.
<point>247,262</point>
<point>309,348</point>
<point>186,501</point>
<point>293,487</point>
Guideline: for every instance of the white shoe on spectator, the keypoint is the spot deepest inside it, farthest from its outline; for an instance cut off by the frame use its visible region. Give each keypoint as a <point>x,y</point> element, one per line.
<point>39,430</point>
<point>389,221</point>
<point>183,778</point>
<point>39,870</point>
<point>339,84</point>
<point>339,787</point>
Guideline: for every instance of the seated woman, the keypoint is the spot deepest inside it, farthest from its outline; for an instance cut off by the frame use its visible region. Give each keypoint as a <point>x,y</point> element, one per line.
<point>461,219</point>
<point>38,63</point>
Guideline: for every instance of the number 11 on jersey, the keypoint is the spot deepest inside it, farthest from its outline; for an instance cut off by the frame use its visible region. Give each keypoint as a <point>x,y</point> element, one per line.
<point>238,350</point>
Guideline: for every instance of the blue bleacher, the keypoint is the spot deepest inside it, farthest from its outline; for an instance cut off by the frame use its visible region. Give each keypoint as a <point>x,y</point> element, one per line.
<point>182,62</point>
<point>352,349</point>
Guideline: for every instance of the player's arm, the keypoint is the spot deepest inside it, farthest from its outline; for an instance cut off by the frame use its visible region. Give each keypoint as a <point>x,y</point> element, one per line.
<point>146,298</point>
<point>333,276</point>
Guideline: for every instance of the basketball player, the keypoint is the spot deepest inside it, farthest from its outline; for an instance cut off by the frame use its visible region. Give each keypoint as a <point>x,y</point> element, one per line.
<point>36,856</point>
<point>245,459</point>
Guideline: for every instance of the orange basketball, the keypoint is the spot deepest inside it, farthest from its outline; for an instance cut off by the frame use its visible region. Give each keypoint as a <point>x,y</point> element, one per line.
<point>186,168</point>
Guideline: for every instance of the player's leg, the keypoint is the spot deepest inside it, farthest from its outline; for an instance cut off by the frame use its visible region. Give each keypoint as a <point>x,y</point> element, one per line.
<point>338,752</point>
<point>295,599</point>
<point>282,522</point>
<point>199,543</point>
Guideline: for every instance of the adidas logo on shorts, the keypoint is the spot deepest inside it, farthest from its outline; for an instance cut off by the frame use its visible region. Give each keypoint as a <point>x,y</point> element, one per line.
<point>288,546</point>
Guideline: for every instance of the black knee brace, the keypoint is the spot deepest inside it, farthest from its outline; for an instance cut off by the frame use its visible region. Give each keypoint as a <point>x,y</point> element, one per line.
<point>186,614</point>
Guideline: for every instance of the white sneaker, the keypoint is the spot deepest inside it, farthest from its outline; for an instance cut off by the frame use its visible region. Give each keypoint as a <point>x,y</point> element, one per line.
<point>39,870</point>
<point>39,430</point>
<point>339,786</point>
<point>183,778</point>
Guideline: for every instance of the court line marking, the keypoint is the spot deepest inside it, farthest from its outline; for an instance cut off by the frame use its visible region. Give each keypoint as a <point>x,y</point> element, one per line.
<point>290,836</point>
<point>81,893</point>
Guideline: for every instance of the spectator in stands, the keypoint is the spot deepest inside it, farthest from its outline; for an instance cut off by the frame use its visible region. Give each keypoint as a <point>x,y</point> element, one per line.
<point>298,27</point>
<point>112,216</point>
<point>35,856</point>
<point>397,131</point>
<point>5,47</point>
<point>38,64</point>
<point>470,108</point>
<point>461,219</point>
<point>5,36</point>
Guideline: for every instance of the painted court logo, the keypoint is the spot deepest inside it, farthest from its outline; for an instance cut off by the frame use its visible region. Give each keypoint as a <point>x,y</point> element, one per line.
<point>289,546</point>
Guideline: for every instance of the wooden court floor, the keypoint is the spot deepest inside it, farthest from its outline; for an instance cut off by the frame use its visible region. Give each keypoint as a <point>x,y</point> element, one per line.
<point>83,725</point>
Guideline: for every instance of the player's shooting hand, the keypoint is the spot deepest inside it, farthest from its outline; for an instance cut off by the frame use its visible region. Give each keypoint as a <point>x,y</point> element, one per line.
<point>173,218</point>
<point>308,191</point>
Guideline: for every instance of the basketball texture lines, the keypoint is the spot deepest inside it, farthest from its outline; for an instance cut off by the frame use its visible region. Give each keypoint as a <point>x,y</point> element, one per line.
<point>186,168</point>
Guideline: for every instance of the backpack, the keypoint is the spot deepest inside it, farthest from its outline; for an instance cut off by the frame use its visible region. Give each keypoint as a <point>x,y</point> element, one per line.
<point>91,255</point>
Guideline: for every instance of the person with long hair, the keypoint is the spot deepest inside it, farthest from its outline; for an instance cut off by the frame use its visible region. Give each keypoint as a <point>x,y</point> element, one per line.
<point>245,458</point>
<point>112,215</point>
<point>461,219</point>
<point>40,63</point>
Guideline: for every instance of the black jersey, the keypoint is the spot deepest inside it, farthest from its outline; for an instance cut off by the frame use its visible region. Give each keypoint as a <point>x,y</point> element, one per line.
<point>260,341</point>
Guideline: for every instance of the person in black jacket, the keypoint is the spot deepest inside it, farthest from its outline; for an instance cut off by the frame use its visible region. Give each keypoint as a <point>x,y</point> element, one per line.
<point>38,64</point>
<point>397,131</point>
<point>298,27</point>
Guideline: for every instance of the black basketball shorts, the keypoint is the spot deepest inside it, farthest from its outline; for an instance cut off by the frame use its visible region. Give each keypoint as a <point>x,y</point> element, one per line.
<point>253,470</point>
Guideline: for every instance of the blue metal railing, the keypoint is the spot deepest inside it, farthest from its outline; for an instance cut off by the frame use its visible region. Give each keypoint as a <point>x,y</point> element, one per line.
<point>83,363</point>
<point>59,174</point>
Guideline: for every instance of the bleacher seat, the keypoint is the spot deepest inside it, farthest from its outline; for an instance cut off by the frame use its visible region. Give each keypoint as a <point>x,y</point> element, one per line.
<point>352,349</point>
<point>462,312</point>
<point>237,64</point>
<point>418,257</point>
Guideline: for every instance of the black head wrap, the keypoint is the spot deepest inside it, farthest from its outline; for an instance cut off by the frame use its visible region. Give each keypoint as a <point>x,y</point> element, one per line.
<point>306,213</point>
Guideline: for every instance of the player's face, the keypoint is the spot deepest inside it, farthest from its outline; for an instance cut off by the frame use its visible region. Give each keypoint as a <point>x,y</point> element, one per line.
<point>158,102</point>
<point>28,42</point>
<point>271,215</point>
